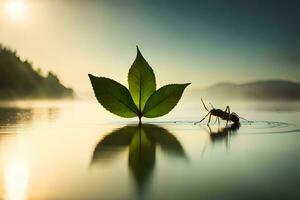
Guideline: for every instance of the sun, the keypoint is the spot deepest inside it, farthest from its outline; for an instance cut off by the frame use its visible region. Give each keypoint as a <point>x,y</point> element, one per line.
<point>16,9</point>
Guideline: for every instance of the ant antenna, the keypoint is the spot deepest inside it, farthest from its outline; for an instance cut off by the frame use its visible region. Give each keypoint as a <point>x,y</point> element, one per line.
<point>204,105</point>
<point>211,105</point>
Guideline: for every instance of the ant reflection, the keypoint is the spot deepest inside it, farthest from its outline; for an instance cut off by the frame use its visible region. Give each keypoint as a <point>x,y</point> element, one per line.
<point>142,141</point>
<point>223,134</point>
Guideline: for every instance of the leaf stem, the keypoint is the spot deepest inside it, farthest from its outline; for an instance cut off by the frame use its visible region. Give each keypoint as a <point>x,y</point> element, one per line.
<point>140,120</point>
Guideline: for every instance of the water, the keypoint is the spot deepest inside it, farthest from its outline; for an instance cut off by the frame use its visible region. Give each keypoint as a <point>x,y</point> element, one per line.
<point>77,150</point>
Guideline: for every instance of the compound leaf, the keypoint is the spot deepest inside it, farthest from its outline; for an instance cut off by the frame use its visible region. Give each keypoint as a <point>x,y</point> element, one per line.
<point>113,96</point>
<point>163,100</point>
<point>141,81</point>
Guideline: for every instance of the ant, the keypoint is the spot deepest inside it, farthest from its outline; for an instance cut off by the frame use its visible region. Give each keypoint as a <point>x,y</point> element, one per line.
<point>224,115</point>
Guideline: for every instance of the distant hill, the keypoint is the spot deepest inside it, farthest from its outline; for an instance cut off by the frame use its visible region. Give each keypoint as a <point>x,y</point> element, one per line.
<point>19,80</point>
<point>259,90</point>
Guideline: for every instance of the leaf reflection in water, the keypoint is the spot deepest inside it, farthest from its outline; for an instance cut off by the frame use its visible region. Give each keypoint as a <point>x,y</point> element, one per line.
<point>142,141</point>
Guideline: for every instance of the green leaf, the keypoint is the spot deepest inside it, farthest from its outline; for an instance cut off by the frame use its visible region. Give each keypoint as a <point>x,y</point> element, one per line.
<point>163,100</point>
<point>141,81</point>
<point>113,96</point>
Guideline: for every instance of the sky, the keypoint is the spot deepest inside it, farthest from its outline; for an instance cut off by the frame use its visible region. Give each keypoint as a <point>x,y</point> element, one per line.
<point>202,42</point>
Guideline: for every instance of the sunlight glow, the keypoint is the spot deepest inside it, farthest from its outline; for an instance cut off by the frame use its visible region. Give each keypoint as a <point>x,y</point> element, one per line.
<point>16,9</point>
<point>16,180</point>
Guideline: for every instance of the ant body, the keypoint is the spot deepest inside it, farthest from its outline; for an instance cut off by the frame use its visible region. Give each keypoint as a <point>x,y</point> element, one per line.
<point>224,115</point>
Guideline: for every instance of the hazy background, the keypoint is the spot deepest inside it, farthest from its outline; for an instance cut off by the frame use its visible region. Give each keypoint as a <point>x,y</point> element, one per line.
<point>203,42</point>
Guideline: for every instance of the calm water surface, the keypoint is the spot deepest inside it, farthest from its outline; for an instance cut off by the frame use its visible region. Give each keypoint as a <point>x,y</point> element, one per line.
<point>77,150</point>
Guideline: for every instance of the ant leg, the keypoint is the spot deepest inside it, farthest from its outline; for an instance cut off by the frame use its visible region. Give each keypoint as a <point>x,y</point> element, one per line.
<point>228,113</point>
<point>209,129</point>
<point>218,121</point>
<point>225,112</point>
<point>215,120</point>
<point>202,119</point>
<point>209,119</point>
